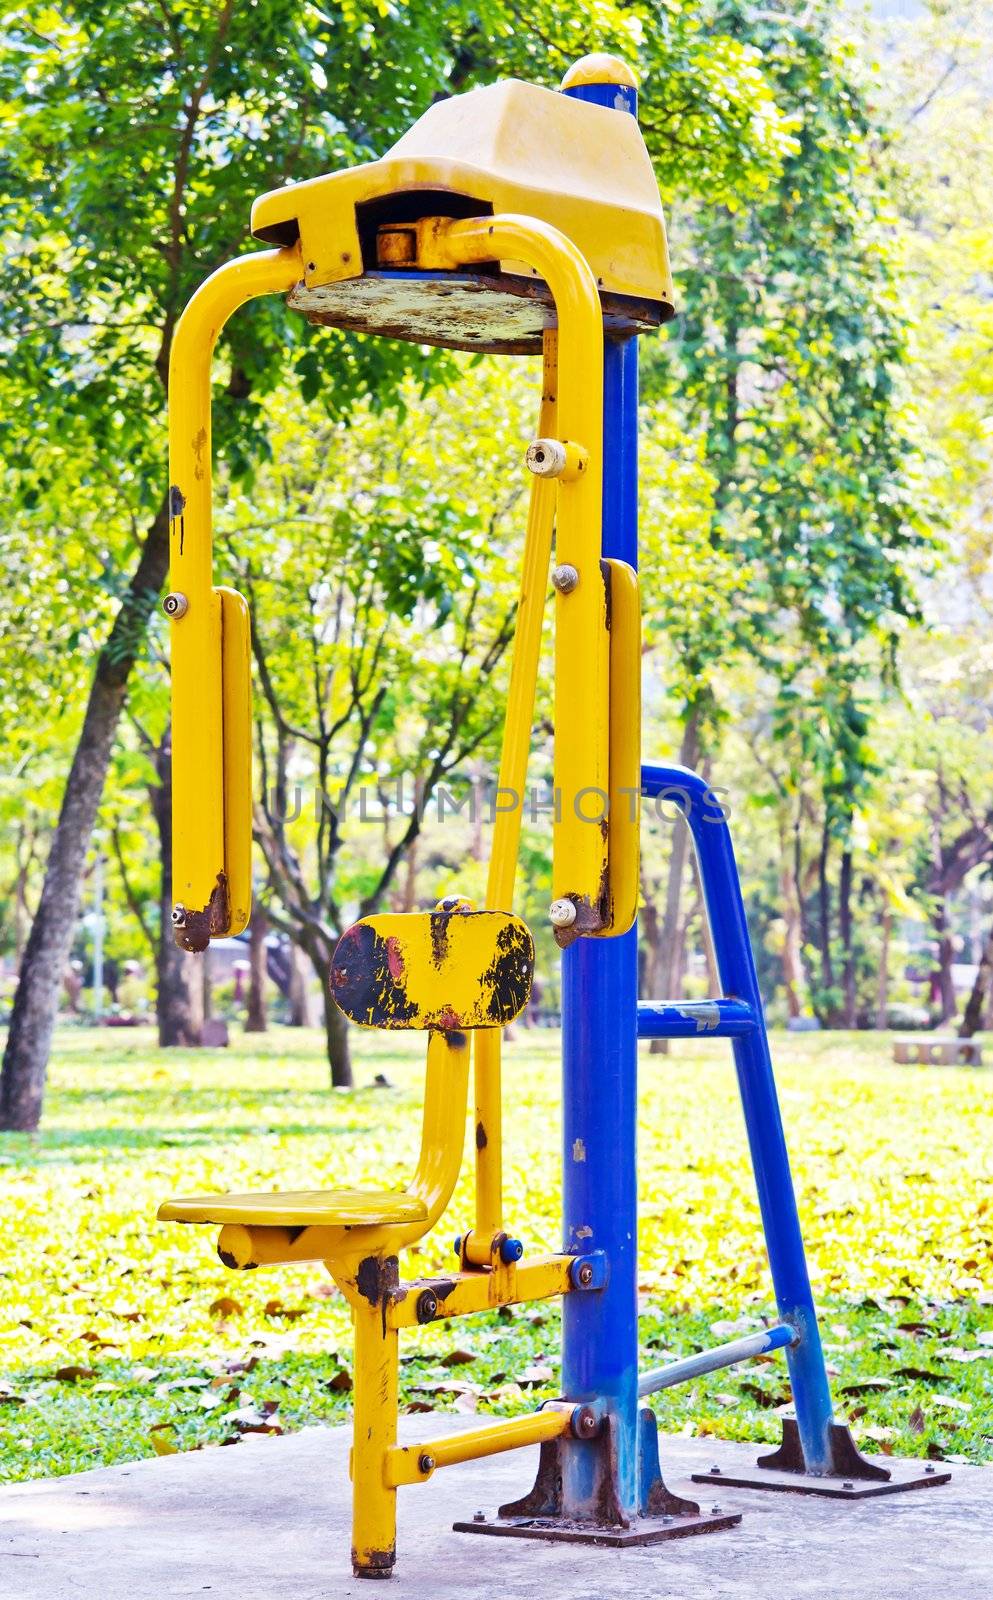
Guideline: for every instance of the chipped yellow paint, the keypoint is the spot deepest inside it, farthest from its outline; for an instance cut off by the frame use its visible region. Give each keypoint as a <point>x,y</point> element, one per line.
<point>452,970</point>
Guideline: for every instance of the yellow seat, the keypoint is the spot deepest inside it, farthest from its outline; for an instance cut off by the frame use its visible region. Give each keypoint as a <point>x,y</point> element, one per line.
<point>448,971</point>
<point>298,1208</point>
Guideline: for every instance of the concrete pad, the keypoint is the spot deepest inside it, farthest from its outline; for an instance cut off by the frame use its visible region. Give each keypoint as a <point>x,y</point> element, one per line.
<point>270,1517</point>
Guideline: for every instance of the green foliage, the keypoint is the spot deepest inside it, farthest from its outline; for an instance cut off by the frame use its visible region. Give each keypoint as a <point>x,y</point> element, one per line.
<point>159,1347</point>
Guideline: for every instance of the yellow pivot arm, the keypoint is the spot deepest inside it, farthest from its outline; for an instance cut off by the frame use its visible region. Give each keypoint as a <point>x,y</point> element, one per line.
<point>579,874</point>
<point>211,799</point>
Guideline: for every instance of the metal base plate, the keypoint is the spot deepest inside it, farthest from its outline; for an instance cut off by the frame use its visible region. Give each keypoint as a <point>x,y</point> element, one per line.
<point>644,1530</point>
<point>903,1475</point>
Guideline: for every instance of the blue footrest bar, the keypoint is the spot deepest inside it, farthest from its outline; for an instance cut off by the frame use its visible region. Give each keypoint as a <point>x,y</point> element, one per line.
<point>693,1019</point>
<point>723,1355</point>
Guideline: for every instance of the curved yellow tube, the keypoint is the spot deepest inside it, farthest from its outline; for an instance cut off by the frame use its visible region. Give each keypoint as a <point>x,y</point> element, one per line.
<point>581,635</point>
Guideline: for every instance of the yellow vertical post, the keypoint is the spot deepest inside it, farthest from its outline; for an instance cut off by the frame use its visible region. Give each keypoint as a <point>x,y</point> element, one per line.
<point>516,748</point>
<point>374,1434</point>
<point>199,866</point>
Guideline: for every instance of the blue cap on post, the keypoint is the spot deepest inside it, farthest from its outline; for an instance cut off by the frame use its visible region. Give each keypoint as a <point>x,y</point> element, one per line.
<point>603,80</point>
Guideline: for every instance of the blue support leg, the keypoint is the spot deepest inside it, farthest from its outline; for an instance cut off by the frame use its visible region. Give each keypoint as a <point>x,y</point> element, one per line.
<point>814,1446</point>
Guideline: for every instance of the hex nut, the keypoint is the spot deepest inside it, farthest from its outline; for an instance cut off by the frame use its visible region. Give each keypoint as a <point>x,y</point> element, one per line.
<point>425,1462</point>
<point>175,605</point>
<point>179,916</point>
<point>585,1275</point>
<point>427,1305</point>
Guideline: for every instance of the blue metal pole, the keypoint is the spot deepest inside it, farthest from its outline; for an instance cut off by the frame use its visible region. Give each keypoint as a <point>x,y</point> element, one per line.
<point>599,1048</point>
<point>763,1122</point>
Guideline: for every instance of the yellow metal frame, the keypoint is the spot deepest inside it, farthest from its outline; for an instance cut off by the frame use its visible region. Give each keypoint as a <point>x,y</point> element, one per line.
<point>597,753</point>
<point>211,720</point>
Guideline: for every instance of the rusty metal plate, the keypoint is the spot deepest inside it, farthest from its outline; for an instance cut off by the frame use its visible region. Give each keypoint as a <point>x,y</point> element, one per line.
<point>904,1475</point>
<point>495,313</point>
<point>449,970</point>
<point>643,1530</point>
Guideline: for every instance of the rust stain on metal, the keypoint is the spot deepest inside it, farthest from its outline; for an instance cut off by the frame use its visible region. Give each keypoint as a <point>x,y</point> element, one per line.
<point>481,1140</point>
<point>378,1281</point>
<point>199,445</point>
<point>485,310</point>
<point>394,958</point>
<point>177,505</point>
<point>509,975</point>
<point>439,937</point>
<point>199,927</point>
<point>366,979</point>
<point>607,611</point>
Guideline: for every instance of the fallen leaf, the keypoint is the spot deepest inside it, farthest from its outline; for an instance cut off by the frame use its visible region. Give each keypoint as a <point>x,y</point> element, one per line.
<point>534,1374</point>
<point>226,1307</point>
<point>866,1385</point>
<point>921,1374</point>
<point>915,1422</point>
<point>73,1374</point>
<point>458,1358</point>
<point>341,1383</point>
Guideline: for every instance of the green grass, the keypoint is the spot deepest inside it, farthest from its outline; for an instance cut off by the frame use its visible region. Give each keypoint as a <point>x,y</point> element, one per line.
<point>119,1336</point>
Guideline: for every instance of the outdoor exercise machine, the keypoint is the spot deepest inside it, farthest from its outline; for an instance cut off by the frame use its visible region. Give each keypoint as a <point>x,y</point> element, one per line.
<point>512,219</point>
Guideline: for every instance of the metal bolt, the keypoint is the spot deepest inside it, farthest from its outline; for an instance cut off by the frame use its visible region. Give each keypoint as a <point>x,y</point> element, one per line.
<point>479,1516</point>
<point>715,1511</point>
<point>425,1463</point>
<point>427,1305</point>
<point>585,1423</point>
<point>585,1275</point>
<point>175,605</point>
<point>847,1485</point>
<point>565,578</point>
<point>546,458</point>
<point>929,1467</point>
<point>562,913</point>
<point>179,916</point>
<point>511,1250</point>
<point>457,1245</point>
<point>716,1471</point>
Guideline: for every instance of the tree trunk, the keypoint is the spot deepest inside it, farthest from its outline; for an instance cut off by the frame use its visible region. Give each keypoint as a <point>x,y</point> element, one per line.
<point>883,986</point>
<point>179,1019</point>
<point>824,918</point>
<point>946,986</point>
<point>256,1020</point>
<point>298,994</point>
<point>335,1021</point>
<point>849,1003</point>
<point>792,952</point>
<point>22,1081</point>
<point>336,1033</point>
<point>972,1017</point>
<point>672,935</point>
